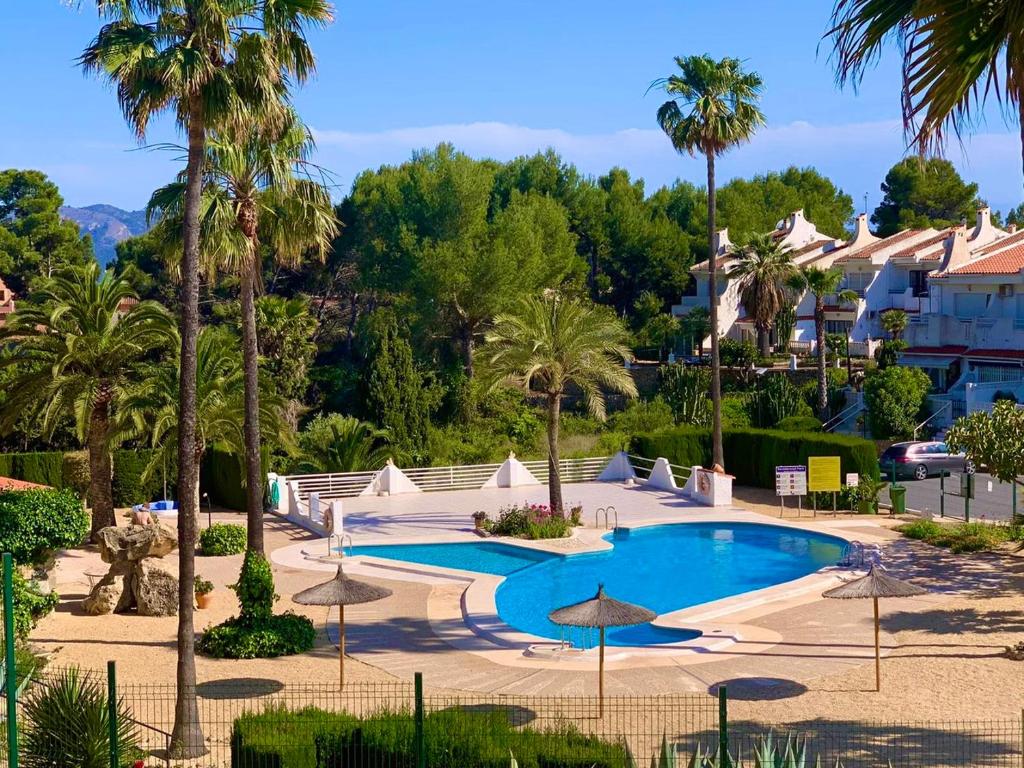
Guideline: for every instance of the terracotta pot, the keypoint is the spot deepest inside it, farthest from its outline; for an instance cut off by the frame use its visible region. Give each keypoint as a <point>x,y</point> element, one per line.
<point>203,601</point>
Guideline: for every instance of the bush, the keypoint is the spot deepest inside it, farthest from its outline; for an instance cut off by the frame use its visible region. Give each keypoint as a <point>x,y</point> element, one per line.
<point>735,412</point>
<point>255,588</point>
<point>278,738</point>
<point>751,455</point>
<point>223,539</point>
<point>799,424</point>
<point>736,354</point>
<point>67,725</point>
<point>75,472</point>
<point>221,477</point>
<point>29,605</point>
<point>34,523</point>
<point>966,537</point>
<point>686,390</point>
<point>775,399</point>
<point>642,416</point>
<point>530,521</point>
<point>895,399</point>
<point>278,635</point>
<point>128,484</point>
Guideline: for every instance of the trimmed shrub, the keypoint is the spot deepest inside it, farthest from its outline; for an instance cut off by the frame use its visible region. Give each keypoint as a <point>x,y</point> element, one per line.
<point>75,472</point>
<point>128,486</point>
<point>751,455</point>
<point>223,539</point>
<point>278,738</point>
<point>799,424</point>
<point>45,468</point>
<point>221,477</point>
<point>33,523</point>
<point>29,605</point>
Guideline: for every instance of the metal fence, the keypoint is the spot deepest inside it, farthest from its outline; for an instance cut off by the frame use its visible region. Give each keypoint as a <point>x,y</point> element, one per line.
<point>262,724</point>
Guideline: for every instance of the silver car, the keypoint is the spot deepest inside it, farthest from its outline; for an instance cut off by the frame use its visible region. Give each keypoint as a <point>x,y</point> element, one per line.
<point>920,460</point>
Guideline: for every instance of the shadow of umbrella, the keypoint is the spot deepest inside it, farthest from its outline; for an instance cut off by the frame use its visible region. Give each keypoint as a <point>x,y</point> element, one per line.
<point>239,688</point>
<point>760,688</point>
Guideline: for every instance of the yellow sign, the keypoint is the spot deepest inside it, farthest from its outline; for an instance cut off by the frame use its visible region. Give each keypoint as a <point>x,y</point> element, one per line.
<point>823,473</point>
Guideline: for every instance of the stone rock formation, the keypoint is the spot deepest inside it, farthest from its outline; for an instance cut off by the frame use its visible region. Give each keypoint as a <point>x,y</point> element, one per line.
<point>134,581</point>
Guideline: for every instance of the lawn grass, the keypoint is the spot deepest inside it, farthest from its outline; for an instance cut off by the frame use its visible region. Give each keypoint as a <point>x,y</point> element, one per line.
<point>963,537</point>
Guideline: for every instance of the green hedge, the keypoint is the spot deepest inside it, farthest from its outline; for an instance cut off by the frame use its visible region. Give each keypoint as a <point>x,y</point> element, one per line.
<point>43,468</point>
<point>311,738</point>
<point>59,470</point>
<point>799,424</point>
<point>221,477</point>
<point>129,487</point>
<point>751,455</point>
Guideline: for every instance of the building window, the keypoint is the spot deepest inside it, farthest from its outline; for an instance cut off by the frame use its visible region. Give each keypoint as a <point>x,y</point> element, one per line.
<point>859,281</point>
<point>919,282</point>
<point>968,306</point>
<point>838,326</point>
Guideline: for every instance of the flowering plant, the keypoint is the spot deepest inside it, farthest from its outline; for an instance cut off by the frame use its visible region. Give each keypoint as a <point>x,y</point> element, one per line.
<point>530,521</point>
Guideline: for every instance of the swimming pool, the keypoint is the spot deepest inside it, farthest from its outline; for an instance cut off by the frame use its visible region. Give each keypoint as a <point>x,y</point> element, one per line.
<point>664,568</point>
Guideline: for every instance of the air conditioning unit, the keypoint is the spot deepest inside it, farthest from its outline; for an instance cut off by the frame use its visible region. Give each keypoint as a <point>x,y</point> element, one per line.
<point>1005,291</point>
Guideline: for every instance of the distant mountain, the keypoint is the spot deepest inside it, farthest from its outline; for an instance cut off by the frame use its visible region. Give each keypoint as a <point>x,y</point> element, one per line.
<point>108,226</point>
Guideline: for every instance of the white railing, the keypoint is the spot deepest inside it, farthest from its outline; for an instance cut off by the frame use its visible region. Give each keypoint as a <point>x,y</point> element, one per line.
<point>641,465</point>
<point>570,470</point>
<point>451,478</point>
<point>335,485</point>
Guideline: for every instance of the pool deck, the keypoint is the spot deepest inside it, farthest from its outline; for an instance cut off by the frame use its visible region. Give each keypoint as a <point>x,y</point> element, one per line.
<point>444,622</point>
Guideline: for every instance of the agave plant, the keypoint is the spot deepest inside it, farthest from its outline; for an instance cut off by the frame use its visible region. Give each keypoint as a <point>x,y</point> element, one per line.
<point>67,725</point>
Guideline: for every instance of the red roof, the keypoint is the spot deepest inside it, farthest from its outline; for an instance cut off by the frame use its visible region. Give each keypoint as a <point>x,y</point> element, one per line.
<point>1008,262</point>
<point>875,247</point>
<point>1010,354</point>
<point>10,484</point>
<point>1003,242</point>
<point>913,249</point>
<point>945,349</point>
<point>816,245</point>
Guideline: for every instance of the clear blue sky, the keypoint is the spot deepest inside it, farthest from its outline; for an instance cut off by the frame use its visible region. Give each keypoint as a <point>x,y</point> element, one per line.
<point>497,80</point>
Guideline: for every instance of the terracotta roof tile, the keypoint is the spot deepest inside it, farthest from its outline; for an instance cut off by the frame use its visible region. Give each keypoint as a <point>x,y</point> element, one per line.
<point>10,484</point>
<point>1009,354</point>
<point>1008,262</point>
<point>875,247</point>
<point>1004,242</point>
<point>924,244</point>
<point>812,246</point>
<point>945,349</point>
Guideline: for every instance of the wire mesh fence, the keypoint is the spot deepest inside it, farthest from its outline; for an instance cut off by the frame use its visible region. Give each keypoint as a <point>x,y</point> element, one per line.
<point>260,723</point>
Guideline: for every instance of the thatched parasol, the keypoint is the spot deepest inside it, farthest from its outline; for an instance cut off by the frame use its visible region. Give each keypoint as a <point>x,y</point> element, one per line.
<point>341,591</point>
<point>601,611</point>
<point>875,585</point>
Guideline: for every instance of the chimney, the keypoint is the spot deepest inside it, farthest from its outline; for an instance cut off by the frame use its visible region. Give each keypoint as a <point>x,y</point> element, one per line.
<point>861,234</point>
<point>957,252</point>
<point>1011,228</point>
<point>984,232</point>
<point>722,243</point>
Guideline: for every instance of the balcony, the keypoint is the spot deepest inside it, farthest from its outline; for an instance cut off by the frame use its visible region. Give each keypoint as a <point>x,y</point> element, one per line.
<point>934,330</point>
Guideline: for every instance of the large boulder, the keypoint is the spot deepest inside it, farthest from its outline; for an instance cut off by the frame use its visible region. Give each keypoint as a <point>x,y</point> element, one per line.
<point>136,542</point>
<point>155,590</point>
<point>105,596</point>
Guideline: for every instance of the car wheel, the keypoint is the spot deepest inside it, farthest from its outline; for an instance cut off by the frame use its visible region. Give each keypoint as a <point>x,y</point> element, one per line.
<point>969,467</point>
<point>920,472</point>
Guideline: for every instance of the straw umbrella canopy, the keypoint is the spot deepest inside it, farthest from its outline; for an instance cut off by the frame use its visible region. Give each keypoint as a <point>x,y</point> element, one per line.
<point>876,584</point>
<point>601,612</point>
<point>341,591</point>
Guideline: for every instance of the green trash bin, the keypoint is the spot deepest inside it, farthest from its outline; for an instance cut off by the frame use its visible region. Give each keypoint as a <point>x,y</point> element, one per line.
<point>898,497</point>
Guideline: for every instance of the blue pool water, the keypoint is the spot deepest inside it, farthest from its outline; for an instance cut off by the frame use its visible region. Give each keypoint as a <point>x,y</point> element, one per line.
<point>664,568</point>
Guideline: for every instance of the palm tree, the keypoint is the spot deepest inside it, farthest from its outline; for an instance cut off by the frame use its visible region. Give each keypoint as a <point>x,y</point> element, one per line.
<point>712,108</point>
<point>955,54</point>
<point>894,322</point>
<point>210,62</point>
<point>150,407</point>
<point>336,443</point>
<point>821,283</point>
<point>256,191</point>
<point>76,351</point>
<point>763,270</point>
<point>550,342</point>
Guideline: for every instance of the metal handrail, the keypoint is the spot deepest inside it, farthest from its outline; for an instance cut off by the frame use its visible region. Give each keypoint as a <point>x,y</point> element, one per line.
<point>606,511</point>
<point>947,406</point>
<point>844,415</point>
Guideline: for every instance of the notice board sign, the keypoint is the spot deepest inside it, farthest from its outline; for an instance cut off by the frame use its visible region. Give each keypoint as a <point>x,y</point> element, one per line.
<point>791,481</point>
<point>823,473</point>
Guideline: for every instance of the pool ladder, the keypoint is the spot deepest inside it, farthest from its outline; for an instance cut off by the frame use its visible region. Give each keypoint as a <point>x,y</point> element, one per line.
<point>341,537</point>
<point>608,512</point>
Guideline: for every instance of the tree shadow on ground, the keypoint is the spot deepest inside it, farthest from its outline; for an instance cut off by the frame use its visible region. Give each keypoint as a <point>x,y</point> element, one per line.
<point>238,688</point>
<point>759,688</point>
<point>955,622</point>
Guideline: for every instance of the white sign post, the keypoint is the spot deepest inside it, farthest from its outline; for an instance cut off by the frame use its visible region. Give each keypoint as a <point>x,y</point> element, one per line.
<point>790,481</point>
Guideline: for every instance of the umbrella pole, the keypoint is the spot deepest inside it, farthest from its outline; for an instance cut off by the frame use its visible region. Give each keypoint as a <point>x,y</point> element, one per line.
<point>341,646</point>
<point>878,651</point>
<point>600,677</point>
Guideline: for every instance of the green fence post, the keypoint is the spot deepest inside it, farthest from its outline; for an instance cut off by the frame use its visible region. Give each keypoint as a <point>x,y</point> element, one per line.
<point>10,682</point>
<point>942,493</point>
<point>723,729</point>
<point>967,499</point>
<point>418,745</point>
<point>115,759</point>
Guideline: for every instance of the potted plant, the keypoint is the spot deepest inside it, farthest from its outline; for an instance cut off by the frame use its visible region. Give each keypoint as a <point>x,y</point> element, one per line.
<point>202,589</point>
<point>867,495</point>
<point>479,518</point>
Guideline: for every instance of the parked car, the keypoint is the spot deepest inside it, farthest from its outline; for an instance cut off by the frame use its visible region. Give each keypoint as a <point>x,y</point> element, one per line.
<point>920,460</point>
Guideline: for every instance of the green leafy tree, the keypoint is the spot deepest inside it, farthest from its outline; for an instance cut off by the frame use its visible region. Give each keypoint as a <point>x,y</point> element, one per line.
<point>76,351</point>
<point>889,351</point>
<point>335,443</point>
<point>394,390</point>
<point>763,270</point>
<point>955,55</point>
<point>923,193</point>
<point>822,283</point>
<point>257,190</point>
<point>549,343</point>
<point>894,322</point>
<point>1015,216</point>
<point>285,329</point>
<point>994,440</point>
<point>209,62</point>
<point>34,240</point>
<point>697,325</point>
<point>895,398</point>
<point>712,107</point>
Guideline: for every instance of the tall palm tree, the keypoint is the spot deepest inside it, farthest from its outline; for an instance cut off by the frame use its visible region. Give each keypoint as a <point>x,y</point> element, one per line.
<point>763,270</point>
<point>550,342</point>
<point>336,443</point>
<point>256,191</point>
<point>210,62</point>
<point>895,323</point>
<point>150,407</point>
<point>821,283</point>
<point>712,107</point>
<point>75,351</point>
<point>955,54</point>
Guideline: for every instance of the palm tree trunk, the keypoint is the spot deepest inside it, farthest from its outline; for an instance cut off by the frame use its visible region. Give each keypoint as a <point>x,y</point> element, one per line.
<point>762,342</point>
<point>554,478</point>
<point>819,334</point>
<point>101,495</point>
<point>251,427</point>
<point>717,454</point>
<point>187,739</point>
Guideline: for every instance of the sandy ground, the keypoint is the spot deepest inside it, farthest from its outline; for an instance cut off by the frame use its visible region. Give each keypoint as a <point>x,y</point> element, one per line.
<point>944,660</point>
